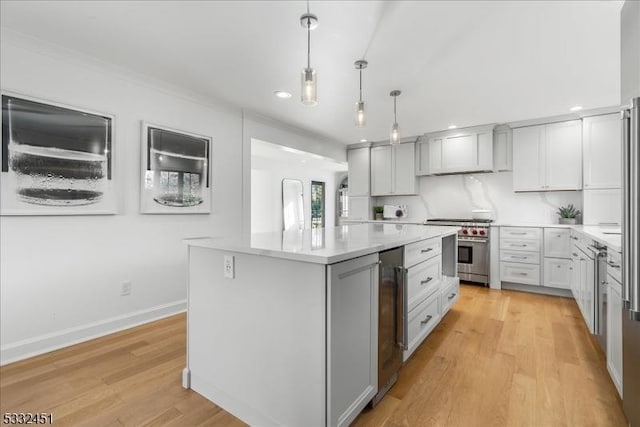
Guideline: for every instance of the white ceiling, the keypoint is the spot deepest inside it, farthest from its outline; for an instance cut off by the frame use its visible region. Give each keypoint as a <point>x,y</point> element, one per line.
<point>457,62</point>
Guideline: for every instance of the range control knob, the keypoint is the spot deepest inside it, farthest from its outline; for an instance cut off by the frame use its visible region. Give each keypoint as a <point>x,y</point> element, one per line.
<point>465,231</point>
<point>482,233</point>
<point>474,232</point>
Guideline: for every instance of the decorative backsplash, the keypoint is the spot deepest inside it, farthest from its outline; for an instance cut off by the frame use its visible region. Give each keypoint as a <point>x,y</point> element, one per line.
<point>455,196</point>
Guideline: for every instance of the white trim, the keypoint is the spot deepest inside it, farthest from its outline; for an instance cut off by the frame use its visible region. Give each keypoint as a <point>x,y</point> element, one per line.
<point>53,341</point>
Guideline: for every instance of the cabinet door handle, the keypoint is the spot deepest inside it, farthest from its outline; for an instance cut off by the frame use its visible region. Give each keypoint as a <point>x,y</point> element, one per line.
<point>427,280</point>
<point>522,274</point>
<point>519,246</point>
<point>517,234</point>
<point>426,319</point>
<point>519,257</point>
<point>614,265</point>
<point>450,297</point>
<point>574,254</point>
<point>426,250</point>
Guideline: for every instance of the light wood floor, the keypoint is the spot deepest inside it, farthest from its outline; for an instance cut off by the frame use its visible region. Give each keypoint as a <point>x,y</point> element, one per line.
<point>497,359</point>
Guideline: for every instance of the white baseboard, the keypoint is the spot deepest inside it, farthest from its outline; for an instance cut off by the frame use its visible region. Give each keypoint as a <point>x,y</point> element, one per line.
<point>45,343</point>
<point>544,290</point>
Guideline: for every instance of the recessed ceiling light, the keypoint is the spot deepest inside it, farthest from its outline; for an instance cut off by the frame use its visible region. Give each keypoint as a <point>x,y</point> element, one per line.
<point>282,94</point>
<point>452,127</point>
<point>576,108</point>
<point>363,140</point>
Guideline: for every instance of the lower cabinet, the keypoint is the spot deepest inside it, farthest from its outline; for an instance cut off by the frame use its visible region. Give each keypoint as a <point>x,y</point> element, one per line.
<point>614,332</point>
<point>421,322</point>
<point>520,249</point>
<point>527,274</point>
<point>557,273</point>
<point>352,365</point>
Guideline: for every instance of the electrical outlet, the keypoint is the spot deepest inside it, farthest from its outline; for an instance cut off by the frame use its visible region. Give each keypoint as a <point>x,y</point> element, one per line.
<point>126,288</point>
<point>229,267</point>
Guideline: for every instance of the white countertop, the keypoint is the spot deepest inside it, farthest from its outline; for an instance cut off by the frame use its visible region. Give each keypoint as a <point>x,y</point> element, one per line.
<point>327,245</point>
<point>380,221</point>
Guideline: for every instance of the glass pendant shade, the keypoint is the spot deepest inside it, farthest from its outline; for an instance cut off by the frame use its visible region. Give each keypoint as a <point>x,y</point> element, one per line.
<point>309,87</point>
<point>360,120</point>
<point>395,134</point>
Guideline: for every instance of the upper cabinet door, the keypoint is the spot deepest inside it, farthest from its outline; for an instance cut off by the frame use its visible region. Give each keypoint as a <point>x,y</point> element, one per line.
<point>358,159</point>
<point>601,146</point>
<point>381,170</point>
<point>502,150</point>
<point>528,158</point>
<point>435,155</point>
<point>564,156</point>
<point>404,169</point>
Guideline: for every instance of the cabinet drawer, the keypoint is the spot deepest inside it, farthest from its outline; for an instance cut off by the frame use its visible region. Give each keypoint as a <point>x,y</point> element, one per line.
<point>422,320</point>
<point>520,256</point>
<point>519,245</point>
<point>421,251</point>
<point>528,274</point>
<point>529,233</point>
<point>449,295</point>
<point>423,280</point>
<point>557,242</point>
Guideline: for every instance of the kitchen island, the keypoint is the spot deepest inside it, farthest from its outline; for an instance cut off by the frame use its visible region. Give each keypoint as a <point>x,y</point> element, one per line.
<point>282,328</point>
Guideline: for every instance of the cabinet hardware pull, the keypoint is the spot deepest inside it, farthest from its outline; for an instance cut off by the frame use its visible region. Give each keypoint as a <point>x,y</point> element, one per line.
<point>426,250</point>
<point>520,246</point>
<point>523,274</point>
<point>451,296</point>
<point>426,320</point>
<point>517,234</point>
<point>614,265</point>
<point>574,254</point>
<point>519,257</point>
<point>427,280</point>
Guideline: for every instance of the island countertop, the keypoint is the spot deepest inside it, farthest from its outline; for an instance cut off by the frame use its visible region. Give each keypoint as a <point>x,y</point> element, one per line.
<point>327,245</point>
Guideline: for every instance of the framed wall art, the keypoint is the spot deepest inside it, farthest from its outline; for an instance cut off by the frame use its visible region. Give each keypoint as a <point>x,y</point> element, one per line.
<point>176,167</point>
<point>56,159</point>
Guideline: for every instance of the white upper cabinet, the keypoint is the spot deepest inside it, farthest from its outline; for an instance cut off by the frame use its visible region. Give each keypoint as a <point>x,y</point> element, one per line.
<point>381,174</point>
<point>601,147</point>
<point>404,168</point>
<point>456,151</point>
<point>393,170</point>
<point>502,149</point>
<point>564,156</point>
<point>548,157</point>
<point>528,158</point>
<point>358,159</point>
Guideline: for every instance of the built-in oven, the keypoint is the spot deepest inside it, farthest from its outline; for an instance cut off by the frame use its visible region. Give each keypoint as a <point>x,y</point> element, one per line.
<point>473,248</point>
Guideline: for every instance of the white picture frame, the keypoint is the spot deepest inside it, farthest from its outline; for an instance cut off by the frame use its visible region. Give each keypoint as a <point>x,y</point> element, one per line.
<point>175,171</point>
<point>57,159</point>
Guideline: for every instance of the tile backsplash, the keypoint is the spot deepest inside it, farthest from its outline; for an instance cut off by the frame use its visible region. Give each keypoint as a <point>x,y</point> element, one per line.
<point>455,196</point>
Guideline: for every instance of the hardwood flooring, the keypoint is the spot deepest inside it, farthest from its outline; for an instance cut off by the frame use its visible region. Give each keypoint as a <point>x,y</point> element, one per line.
<point>499,358</point>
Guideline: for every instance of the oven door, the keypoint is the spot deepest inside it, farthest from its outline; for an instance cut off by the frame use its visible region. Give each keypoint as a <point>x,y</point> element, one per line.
<point>473,256</point>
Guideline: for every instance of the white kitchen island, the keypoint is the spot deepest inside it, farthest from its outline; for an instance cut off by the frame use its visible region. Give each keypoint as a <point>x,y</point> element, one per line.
<point>282,329</point>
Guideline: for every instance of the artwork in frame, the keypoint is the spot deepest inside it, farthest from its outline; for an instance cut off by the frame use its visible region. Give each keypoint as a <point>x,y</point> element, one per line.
<point>56,159</point>
<point>176,171</point>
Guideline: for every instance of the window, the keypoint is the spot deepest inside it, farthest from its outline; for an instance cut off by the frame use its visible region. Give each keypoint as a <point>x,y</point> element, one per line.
<point>317,204</point>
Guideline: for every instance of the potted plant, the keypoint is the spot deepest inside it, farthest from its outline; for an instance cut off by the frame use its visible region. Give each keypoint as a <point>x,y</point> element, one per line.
<point>568,214</point>
<point>378,210</point>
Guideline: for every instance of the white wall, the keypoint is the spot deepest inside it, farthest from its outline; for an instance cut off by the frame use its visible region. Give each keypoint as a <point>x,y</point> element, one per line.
<point>266,193</point>
<point>454,196</point>
<point>60,276</point>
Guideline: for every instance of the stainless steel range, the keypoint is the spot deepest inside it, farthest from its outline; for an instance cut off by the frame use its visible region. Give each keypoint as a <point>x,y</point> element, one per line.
<point>473,248</point>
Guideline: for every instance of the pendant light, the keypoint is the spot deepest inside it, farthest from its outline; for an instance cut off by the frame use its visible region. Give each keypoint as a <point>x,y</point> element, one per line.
<point>395,129</point>
<point>360,119</point>
<point>309,93</point>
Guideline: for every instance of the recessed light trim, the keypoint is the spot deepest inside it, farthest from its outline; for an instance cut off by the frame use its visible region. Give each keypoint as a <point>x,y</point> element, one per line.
<point>576,108</point>
<point>364,140</point>
<point>282,94</point>
<point>452,127</point>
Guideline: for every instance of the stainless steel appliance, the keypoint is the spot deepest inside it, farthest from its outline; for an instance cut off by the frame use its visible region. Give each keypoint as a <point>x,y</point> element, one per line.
<point>391,333</point>
<point>630,255</point>
<point>599,254</point>
<point>630,89</point>
<point>473,248</point>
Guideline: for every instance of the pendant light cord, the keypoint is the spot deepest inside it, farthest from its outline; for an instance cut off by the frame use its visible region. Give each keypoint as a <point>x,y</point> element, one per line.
<point>395,117</point>
<point>361,84</point>
<point>308,42</point>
